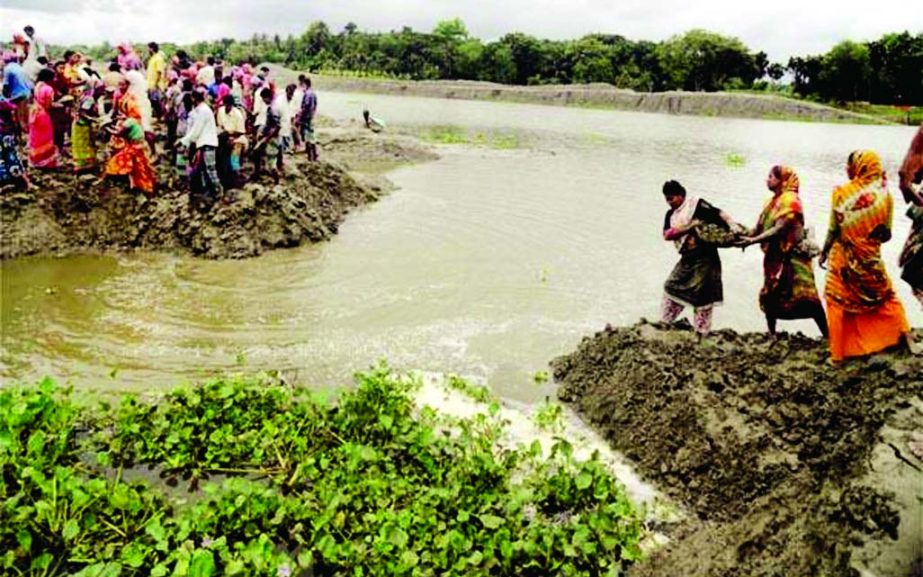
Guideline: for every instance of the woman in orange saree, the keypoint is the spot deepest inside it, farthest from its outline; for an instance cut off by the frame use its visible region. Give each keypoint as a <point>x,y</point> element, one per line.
<point>788,289</point>
<point>131,159</point>
<point>863,311</point>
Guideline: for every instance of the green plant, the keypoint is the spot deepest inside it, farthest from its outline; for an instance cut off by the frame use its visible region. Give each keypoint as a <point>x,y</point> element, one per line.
<point>549,417</point>
<point>735,160</point>
<point>368,485</point>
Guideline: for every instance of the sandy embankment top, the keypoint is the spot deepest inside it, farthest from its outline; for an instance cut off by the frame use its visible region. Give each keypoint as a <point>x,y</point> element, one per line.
<point>725,104</point>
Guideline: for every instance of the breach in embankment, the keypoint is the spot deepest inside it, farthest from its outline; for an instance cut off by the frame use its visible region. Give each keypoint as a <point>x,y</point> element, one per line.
<point>789,466</point>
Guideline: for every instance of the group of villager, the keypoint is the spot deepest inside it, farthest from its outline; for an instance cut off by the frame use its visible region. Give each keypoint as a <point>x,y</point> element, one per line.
<point>863,314</point>
<point>205,118</point>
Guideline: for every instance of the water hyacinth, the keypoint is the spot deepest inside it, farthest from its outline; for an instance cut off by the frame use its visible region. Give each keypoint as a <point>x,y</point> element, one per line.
<point>370,484</point>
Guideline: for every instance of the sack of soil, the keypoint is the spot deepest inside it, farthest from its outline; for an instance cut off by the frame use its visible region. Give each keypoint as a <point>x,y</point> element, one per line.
<point>720,236</point>
<point>807,246</point>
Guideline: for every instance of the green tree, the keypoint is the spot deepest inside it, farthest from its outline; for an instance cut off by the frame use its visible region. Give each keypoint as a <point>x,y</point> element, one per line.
<point>468,59</point>
<point>846,72</point>
<point>592,61</point>
<point>497,64</point>
<point>527,55</point>
<point>453,30</point>
<point>314,41</point>
<point>702,60</point>
<point>897,64</point>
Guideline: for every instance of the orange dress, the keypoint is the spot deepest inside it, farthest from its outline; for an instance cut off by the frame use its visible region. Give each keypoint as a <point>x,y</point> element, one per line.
<point>863,311</point>
<point>131,158</point>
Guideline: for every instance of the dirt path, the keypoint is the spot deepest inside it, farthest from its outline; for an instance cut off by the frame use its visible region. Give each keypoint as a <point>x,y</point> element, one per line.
<point>779,455</point>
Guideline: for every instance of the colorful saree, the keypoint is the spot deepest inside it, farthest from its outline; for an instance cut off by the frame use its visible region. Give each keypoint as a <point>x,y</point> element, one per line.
<point>83,146</point>
<point>43,153</point>
<point>131,158</point>
<point>863,311</point>
<point>788,289</point>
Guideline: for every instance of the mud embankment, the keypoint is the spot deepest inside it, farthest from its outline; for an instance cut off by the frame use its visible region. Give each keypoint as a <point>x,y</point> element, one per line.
<point>726,104</point>
<point>789,465</point>
<point>64,214</point>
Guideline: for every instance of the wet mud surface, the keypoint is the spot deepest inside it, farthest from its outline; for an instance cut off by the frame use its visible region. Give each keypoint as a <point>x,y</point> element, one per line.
<point>778,456</point>
<point>64,213</point>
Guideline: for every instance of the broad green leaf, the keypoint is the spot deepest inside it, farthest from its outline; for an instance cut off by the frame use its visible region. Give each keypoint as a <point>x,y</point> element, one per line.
<point>71,530</point>
<point>583,480</point>
<point>203,563</point>
<point>135,554</point>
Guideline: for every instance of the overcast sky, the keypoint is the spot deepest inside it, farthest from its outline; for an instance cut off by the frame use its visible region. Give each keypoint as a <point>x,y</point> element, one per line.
<point>782,28</point>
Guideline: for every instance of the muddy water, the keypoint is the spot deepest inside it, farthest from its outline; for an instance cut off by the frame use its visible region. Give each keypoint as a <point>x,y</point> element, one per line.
<point>487,262</point>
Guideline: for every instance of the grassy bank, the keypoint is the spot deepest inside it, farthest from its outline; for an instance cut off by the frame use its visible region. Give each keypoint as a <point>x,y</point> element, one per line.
<point>369,484</point>
<point>910,115</point>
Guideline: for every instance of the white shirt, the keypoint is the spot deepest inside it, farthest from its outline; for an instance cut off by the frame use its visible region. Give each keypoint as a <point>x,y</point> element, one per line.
<point>202,128</point>
<point>36,47</point>
<point>259,111</point>
<point>280,105</point>
<point>233,123</point>
<point>205,76</point>
<point>295,102</point>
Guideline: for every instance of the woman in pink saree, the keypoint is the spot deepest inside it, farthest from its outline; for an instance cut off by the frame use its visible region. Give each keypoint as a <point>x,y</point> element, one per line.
<point>43,153</point>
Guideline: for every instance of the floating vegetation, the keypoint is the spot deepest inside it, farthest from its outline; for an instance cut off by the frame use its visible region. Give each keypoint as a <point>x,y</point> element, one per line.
<point>370,485</point>
<point>735,160</point>
<point>458,135</point>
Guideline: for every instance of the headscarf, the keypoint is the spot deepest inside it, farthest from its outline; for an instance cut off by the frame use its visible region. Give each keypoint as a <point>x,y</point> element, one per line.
<point>864,203</point>
<point>127,58</point>
<point>682,216</point>
<point>137,88</point>
<point>784,205</point>
<point>789,181</point>
<point>860,221</point>
<point>43,95</point>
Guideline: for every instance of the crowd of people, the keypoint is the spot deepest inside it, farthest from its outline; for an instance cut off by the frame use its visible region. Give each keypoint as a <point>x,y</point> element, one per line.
<point>863,314</point>
<point>205,118</point>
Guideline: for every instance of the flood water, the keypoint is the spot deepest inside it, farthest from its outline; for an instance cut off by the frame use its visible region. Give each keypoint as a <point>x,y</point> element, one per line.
<point>488,262</point>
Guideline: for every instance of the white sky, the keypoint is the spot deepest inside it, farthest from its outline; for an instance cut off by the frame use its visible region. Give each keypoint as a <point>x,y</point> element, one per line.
<point>782,28</point>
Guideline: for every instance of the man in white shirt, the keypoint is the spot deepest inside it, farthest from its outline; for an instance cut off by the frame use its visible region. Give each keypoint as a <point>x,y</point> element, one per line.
<point>37,49</point>
<point>286,109</point>
<point>232,137</point>
<point>206,75</point>
<point>259,109</point>
<point>203,133</point>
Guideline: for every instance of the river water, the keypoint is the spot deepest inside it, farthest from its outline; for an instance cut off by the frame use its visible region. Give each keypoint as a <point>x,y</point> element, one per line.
<point>488,262</point>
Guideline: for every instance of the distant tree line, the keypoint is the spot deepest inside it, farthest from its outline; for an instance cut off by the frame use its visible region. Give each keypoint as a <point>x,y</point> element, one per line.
<point>887,71</point>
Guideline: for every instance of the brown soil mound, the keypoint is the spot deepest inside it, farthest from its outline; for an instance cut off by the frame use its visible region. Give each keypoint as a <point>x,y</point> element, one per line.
<point>767,444</point>
<point>66,214</point>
